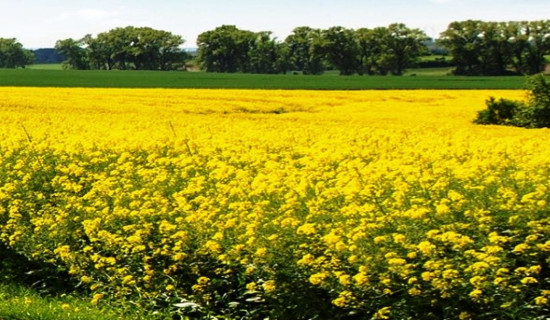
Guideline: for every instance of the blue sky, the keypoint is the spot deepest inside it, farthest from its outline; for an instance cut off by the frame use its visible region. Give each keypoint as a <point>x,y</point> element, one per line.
<point>38,24</point>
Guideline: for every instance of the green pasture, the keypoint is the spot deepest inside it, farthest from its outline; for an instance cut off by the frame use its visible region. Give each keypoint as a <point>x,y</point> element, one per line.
<point>46,66</point>
<point>433,78</point>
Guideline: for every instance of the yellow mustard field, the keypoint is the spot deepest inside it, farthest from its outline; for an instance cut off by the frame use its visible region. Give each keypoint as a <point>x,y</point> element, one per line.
<point>284,204</point>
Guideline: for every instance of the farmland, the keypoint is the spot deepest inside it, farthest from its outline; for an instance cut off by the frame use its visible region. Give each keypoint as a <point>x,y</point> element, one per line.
<point>423,79</point>
<point>279,203</point>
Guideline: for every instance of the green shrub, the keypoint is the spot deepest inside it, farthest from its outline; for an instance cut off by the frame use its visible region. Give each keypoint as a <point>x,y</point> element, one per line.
<point>533,114</point>
<point>539,101</point>
<point>499,112</point>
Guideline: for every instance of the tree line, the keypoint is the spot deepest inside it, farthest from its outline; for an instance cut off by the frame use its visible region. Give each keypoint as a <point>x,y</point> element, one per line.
<point>380,50</point>
<point>497,48</point>
<point>125,48</point>
<point>475,47</point>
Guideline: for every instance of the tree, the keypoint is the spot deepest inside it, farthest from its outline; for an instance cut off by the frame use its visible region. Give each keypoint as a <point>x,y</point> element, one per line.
<point>305,49</point>
<point>401,47</point>
<point>341,49</point>
<point>493,55</point>
<point>225,49</point>
<point>74,53</point>
<point>368,41</point>
<point>529,43</point>
<point>264,54</point>
<point>99,52</point>
<point>12,54</point>
<point>463,41</point>
<point>152,49</point>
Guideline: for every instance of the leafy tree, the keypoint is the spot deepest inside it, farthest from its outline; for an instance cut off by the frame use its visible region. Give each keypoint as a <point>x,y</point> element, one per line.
<point>99,52</point>
<point>369,50</point>
<point>463,40</point>
<point>401,47</point>
<point>225,49</point>
<point>494,47</point>
<point>342,50</point>
<point>283,62</point>
<point>152,49</point>
<point>263,56</point>
<point>529,43</point>
<point>12,54</point>
<point>305,48</point>
<point>374,55</point>
<point>74,53</point>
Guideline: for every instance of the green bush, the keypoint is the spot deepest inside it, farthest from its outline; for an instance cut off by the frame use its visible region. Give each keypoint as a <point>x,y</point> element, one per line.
<point>500,112</point>
<point>539,101</point>
<point>533,114</point>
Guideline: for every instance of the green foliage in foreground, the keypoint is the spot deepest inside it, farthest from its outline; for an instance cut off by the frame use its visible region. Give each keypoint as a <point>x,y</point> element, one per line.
<point>153,79</point>
<point>533,114</point>
<point>21,303</point>
<point>34,290</point>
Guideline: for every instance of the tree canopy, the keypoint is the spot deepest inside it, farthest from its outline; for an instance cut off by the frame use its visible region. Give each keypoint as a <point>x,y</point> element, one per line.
<point>12,54</point>
<point>311,51</point>
<point>492,48</point>
<point>230,49</point>
<point>125,48</point>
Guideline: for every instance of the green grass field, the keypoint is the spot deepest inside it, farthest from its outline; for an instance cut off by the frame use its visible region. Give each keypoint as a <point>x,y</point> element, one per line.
<point>414,79</point>
<point>46,66</point>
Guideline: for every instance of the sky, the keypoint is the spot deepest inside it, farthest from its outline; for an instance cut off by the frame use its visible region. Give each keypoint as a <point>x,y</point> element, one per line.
<point>39,24</point>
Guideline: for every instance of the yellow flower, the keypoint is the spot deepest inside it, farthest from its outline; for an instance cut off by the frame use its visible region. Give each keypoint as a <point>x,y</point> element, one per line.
<point>475,294</point>
<point>251,286</point>
<point>344,298</point>
<point>383,313</point>
<point>129,280</point>
<point>203,281</point>
<point>541,301</point>
<point>269,286</point>
<point>520,248</point>
<point>360,278</point>
<point>96,298</point>
<point>426,248</point>
<point>306,229</point>
<point>477,281</point>
<point>414,292</point>
<point>529,280</point>
<point>318,278</point>
<point>442,209</point>
<point>426,276</point>
<point>344,279</point>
